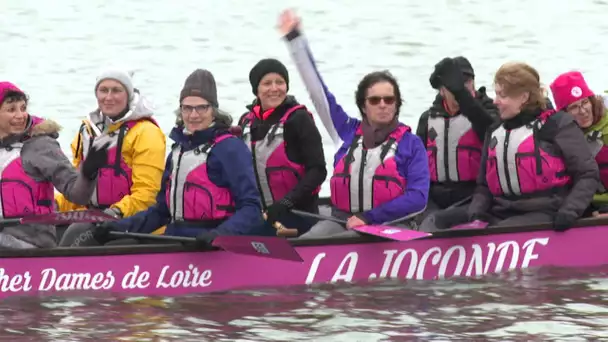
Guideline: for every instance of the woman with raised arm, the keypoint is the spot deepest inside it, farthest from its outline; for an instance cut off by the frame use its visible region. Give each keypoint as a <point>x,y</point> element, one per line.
<point>536,164</point>
<point>208,188</point>
<point>31,166</point>
<point>381,170</point>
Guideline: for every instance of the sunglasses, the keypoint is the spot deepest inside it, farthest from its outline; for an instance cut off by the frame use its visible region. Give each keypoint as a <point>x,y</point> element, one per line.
<point>201,109</point>
<point>375,100</point>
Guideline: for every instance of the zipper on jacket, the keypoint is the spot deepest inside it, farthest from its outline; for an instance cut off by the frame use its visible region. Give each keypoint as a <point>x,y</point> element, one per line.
<point>361,173</point>
<point>179,162</point>
<point>506,162</point>
<point>257,176</point>
<point>446,158</point>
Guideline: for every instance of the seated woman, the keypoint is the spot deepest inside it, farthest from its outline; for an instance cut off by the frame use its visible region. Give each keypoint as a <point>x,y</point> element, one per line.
<point>208,188</point>
<point>536,165</point>
<point>32,165</point>
<point>381,170</point>
<point>572,94</point>
<point>130,177</point>
<point>287,148</point>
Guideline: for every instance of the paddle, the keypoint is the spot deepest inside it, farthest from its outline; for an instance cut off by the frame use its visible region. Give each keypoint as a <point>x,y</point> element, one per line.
<point>387,232</point>
<point>477,224</point>
<point>282,230</point>
<point>264,246</point>
<point>57,218</point>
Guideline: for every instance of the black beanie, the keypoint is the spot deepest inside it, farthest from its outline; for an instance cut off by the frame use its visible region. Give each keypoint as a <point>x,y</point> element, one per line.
<point>200,83</point>
<point>264,67</point>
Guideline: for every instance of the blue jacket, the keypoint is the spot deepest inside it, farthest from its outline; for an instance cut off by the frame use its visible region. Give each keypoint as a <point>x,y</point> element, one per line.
<point>411,157</point>
<point>229,165</point>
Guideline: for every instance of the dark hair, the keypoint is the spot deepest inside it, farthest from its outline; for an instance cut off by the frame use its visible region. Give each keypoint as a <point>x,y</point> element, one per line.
<point>376,77</point>
<point>14,96</point>
<point>597,108</point>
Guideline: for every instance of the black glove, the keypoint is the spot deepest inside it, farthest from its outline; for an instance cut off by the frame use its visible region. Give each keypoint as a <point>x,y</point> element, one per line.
<point>205,238</point>
<point>101,233</point>
<point>278,209</point>
<point>96,158</point>
<point>563,221</point>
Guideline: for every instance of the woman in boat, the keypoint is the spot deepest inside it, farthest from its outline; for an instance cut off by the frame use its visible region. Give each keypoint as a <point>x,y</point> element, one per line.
<point>287,149</point>
<point>208,188</point>
<point>130,178</point>
<point>453,130</point>
<point>536,165</point>
<point>33,164</point>
<point>572,94</point>
<point>381,170</point>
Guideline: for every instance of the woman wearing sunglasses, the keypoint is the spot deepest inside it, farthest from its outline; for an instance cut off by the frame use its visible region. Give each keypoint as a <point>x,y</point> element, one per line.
<point>572,94</point>
<point>536,165</point>
<point>287,148</point>
<point>381,169</point>
<point>208,187</point>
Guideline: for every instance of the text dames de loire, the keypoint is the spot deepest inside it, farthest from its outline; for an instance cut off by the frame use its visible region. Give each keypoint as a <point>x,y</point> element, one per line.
<point>457,260</point>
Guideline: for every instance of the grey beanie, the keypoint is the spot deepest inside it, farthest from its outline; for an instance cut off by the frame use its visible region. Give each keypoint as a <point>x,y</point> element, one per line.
<point>121,75</point>
<point>200,83</point>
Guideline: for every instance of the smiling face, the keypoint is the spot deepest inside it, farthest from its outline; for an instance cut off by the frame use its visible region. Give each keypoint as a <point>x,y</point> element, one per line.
<point>13,115</point>
<point>112,97</point>
<point>197,113</point>
<point>509,105</point>
<point>582,111</point>
<point>272,90</point>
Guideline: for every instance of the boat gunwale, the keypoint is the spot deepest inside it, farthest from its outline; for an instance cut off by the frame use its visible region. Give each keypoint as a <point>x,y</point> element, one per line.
<point>165,248</point>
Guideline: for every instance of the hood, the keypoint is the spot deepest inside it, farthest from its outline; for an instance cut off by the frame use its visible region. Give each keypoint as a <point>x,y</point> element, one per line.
<point>139,108</point>
<point>481,95</point>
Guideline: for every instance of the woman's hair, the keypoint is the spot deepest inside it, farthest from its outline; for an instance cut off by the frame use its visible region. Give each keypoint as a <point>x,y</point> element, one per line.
<point>517,78</point>
<point>221,118</point>
<point>376,77</point>
<point>597,107</point>
<point>14,96</point>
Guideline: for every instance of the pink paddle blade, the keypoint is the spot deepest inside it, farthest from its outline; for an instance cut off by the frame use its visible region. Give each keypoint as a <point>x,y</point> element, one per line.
<point>265,246</point>
<point>392,233</point>
<point>68,217</point>
<point>477,224</point>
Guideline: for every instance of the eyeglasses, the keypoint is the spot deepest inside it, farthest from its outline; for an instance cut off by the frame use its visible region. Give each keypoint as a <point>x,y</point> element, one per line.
<point>375,100</point>
<point>200,109</point>
<point>578,108</point>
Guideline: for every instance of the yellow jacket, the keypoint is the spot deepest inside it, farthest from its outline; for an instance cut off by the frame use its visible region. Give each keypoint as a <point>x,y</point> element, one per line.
<point>143,150</point>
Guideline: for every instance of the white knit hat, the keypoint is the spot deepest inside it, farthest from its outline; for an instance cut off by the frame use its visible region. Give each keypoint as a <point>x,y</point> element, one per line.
<point>124,76</point>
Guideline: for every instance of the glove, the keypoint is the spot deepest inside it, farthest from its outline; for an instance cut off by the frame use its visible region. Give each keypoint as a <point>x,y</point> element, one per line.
<point>563,221</point>
<point>101,233</point>
<point>114,212</point>
<point>205,238</point>
<point>278,209</point>
<point>450,75</point>
<point>96,158</point>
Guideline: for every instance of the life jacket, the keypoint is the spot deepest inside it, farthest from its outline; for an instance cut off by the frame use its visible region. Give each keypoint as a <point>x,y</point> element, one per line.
<point>190,194</point>
<point>114,179</point>
<point>276,175</point>
<point>20,194</point>
<point>600,151</point>
<point>519,165</point>
<point>453,149</point>
<point>366,178</point>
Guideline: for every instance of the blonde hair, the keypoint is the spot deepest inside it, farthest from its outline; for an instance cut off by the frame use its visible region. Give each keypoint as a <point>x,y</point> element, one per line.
<point>517,78</point>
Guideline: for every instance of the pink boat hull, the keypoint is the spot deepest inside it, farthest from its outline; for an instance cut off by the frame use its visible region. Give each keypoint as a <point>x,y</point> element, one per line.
<point>170,274</point>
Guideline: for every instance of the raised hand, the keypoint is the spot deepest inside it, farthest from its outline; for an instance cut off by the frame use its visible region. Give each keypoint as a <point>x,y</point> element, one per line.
<point>288,21</point>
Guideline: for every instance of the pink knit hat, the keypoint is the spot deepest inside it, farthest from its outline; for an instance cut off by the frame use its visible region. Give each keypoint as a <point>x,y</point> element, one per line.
<point>5,87</point>
<point>568,88</point>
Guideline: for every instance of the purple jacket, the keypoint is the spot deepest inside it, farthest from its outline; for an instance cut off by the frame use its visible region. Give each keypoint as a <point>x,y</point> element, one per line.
<point>411,154</point>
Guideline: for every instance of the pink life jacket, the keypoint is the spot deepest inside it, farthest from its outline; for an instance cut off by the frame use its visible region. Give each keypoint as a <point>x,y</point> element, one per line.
<point>275,173</point>
<point>20,194</point>
<point>366,178</point>
<point>601,156</point>
<point>190,194</point>
<point>453,149</point>
<point>518,165</point>
<point>114,179</point>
